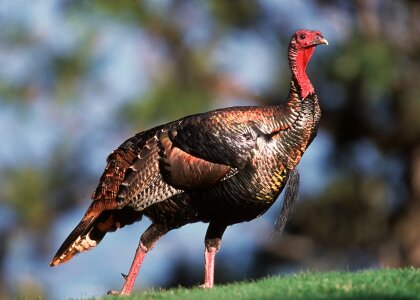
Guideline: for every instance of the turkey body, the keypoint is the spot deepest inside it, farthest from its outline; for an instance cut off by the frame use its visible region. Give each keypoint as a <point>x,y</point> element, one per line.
<point>262,145</point>
<point>223,167</point>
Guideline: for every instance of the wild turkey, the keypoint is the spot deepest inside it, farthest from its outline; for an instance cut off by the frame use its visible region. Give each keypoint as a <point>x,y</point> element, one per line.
<point>222,167</point>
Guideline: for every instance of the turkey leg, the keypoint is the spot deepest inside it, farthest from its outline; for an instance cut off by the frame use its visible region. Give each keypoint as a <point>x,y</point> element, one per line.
<point>147,242</point>
<point>212,243</point>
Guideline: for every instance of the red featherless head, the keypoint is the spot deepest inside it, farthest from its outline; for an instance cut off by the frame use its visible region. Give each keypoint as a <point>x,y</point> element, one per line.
<point>301,48</point>
<point>307,39</point>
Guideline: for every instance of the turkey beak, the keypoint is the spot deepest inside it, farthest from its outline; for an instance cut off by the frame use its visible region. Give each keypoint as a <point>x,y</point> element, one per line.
<point>320,40</point>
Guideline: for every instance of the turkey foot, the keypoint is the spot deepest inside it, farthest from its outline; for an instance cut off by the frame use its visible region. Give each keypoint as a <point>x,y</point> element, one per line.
<point>132,274</point>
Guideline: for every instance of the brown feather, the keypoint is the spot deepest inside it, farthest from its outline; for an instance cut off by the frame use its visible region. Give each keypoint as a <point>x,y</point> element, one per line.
<point>186,171</point>
<point>91,230</point>
<point>76,241</point>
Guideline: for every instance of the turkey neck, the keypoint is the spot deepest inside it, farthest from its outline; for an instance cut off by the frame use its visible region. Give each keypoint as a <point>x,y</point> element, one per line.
<point>298,61</point>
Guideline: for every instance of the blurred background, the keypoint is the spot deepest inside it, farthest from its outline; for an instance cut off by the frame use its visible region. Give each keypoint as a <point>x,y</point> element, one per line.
<point>77,78</point>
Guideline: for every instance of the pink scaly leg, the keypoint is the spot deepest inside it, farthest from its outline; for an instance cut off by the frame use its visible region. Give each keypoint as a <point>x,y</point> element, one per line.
<point>212,242</point>
<point>134,269</point>
<point>209,256</point>
<point>147,242</point>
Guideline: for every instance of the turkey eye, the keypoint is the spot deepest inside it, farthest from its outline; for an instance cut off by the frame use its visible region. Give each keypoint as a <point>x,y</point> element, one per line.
<point>302,36</point>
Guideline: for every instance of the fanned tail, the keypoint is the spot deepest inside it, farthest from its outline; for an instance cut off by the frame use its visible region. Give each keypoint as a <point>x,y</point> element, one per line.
<point>290,197</point>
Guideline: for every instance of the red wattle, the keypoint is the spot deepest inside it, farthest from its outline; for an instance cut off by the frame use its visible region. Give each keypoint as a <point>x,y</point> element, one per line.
<point>302,58</point>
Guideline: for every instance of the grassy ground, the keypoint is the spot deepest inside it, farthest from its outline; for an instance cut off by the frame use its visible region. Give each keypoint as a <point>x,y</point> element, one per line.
<point>378,284</point>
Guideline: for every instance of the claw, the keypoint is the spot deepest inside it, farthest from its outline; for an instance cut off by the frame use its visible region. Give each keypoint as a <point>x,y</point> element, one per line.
<point>113,293</point>
<point>124,276</point>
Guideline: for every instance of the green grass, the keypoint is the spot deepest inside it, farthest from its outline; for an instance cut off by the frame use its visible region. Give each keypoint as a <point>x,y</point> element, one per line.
<point>375,284</point>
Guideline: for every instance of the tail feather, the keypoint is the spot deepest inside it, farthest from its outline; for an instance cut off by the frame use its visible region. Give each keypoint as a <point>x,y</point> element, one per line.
<point>76,242</point>
<point>91,230</point>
